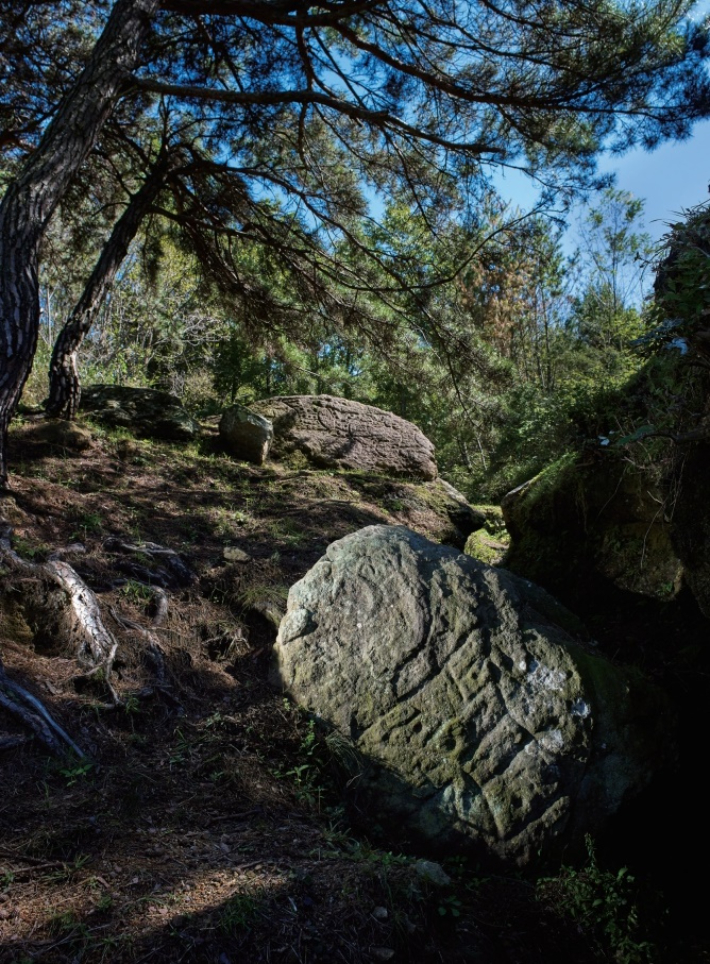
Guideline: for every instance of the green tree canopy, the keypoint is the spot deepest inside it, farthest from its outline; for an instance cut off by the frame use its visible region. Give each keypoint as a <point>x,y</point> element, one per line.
<point>310,106</point>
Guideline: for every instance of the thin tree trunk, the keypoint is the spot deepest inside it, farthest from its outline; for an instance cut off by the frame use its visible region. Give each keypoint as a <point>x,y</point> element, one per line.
<point>64,385</point>
<point>32,198</point>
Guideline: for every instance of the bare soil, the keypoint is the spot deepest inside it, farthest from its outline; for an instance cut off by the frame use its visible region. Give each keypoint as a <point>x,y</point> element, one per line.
<point>208,824</point>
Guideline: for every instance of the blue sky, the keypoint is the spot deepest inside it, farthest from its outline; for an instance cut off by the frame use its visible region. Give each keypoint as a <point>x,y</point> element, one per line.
<point>669,180</point>
<point>673,177</point>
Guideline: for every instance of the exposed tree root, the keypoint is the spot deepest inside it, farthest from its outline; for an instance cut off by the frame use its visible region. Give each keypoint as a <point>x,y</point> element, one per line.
<point>60,599</point>
<point>10,742</point>
<point>176,573</point>
<point>154,654</point>
<point>34,715</point>
<point>57,600</point>
<point>160,606</point>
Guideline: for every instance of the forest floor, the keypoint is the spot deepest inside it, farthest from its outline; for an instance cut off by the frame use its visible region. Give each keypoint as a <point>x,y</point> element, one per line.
<point>207,823</point>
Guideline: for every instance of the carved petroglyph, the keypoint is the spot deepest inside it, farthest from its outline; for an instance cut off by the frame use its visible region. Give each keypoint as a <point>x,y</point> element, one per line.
<point>474,712</point>
<point>340,433</point>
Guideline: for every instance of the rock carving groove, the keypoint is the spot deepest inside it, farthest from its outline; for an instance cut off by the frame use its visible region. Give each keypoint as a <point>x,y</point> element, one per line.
<point>477,717</point>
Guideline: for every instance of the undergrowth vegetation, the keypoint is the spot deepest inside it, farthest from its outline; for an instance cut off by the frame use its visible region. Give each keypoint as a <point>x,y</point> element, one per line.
<point>607,906</point>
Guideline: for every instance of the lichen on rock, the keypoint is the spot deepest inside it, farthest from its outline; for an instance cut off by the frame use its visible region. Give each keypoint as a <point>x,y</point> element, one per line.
<point>340,433</point>
<point>480,721</point>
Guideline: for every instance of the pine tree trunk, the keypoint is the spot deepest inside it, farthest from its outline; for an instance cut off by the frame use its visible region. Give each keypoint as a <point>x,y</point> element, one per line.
<point>64,385</point>
<point>32,198</point>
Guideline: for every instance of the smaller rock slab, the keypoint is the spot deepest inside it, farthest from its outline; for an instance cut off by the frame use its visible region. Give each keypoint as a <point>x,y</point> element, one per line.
<point>339,433</point>
<point>246,435</point>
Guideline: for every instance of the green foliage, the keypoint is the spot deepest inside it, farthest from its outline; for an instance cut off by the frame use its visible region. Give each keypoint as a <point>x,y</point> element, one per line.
<point>78,771</point>
<point>590,358</point>
<point>307,775</point>
<point>86,522</point>
<point>239,913</point>
<point>449,906</point>
<point>136,592</point>
<point>69,869</point>
<point>604,904</point>
<point>29,550</point>
<point>7,878</point>
<point>683,287</point>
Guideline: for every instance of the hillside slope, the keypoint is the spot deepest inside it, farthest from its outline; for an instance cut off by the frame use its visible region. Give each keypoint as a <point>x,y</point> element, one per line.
<point>206,824</point>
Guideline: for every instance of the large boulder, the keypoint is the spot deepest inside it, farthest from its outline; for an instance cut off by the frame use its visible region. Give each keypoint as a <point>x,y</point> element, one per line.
<point>143,411</point>
<point>477,715</point>
<point>339,433</point>
<point>246,435</point>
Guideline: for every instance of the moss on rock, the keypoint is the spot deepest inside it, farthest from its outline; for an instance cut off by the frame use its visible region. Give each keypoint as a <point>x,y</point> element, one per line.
<point>490,543</point>
<point>588,518</point>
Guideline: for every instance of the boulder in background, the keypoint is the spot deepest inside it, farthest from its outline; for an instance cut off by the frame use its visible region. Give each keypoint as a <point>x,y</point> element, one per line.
<point>143,411</point>
<point>339,433</point>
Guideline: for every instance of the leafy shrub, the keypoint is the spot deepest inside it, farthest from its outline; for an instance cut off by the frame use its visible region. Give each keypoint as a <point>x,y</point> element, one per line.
<point>603,903</point>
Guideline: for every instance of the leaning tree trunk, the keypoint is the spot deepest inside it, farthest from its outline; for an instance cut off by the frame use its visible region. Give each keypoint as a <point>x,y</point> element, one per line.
<point>64,385</point>
<point>32,198</point>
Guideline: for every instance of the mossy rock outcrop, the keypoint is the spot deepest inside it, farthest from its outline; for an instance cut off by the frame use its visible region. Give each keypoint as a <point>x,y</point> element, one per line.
<point>143,411</point>
<point>491,541</point>
<point>463,519</point>
<point>478,716</point>
<point>591,518</point>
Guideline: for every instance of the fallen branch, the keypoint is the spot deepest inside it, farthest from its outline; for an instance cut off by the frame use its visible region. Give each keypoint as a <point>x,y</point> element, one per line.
<point>36,861</point>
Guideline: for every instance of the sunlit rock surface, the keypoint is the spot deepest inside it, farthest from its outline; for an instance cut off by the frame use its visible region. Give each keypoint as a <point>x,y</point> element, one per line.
<point>476,714</point>
<point>339,433</point>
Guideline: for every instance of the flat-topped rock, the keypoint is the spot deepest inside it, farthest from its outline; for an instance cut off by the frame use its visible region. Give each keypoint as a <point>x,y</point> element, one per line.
<point>339,433</point>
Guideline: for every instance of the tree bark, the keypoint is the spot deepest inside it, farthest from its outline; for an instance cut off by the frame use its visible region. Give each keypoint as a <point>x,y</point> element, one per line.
<point>33,197</point>
<point>64,385</point>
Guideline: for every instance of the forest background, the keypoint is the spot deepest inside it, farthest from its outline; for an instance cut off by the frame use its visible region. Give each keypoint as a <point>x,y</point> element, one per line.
<point>377,271</point>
